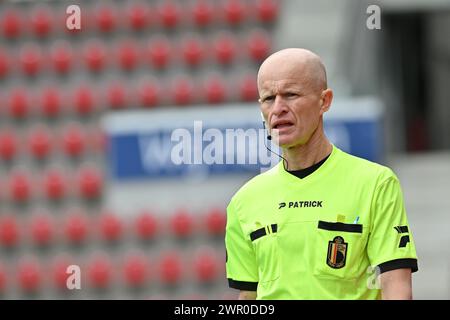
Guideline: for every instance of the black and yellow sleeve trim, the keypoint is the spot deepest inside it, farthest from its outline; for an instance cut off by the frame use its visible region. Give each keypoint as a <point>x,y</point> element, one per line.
<point>263,231</point>
<point>399,264</point>
<point>242,285</point>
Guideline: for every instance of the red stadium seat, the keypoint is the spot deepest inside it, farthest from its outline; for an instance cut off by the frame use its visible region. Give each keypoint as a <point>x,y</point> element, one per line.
<point>51,102</point>
<point>203,13</point>
<point>31,59</point>
<point>235,11</point>
<point>73,140</point>
<point>193,51</point>
<point>59,272</point>
<point>110,227</point>
<point>29,275</point>
<point>42,229</point>
<point>3,277</point>
<point>182,224</point>
<point>61,56</point>
<point>98,140</point>
<point>18,104</point>
<point>20,187</point>
<point>116,96</point>
<point>84,100</point>
<point>267,10</point>
<point>8,145</point>
<point>11,24</point>
<point>169,14</point>
<point>76,228</point>
<point>206,267</point>
<point>258,45</point>
<point>136,270</point>
<point>170,268</point>
<point>248,90</point>
<point>95,56</point>
<point>4,63</point>
<point>54,185</point>
<point>183,91</point>
<point>100,272</point>
<point>138,16</point>
<point>158,52</point>
<point>149,93</point>
<point>127,55</point>
<point>146,226</point>
<point>216,222</point>
<point>9,231</point>
<point>90,183</point>
<point>39,142</point>
<point>215,90</point>
<point>225,48</point>
<point>106,19</point>
<point>41,21</point>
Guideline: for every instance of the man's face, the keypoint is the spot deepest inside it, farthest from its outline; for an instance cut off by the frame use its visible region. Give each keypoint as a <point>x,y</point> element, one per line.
<point>291,106</point>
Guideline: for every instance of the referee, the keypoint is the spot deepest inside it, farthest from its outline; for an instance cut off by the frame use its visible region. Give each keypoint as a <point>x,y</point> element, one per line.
<point>322,224</point>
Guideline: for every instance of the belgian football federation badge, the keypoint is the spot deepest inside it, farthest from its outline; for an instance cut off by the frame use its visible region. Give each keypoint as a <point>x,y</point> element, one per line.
<point>337,252</point>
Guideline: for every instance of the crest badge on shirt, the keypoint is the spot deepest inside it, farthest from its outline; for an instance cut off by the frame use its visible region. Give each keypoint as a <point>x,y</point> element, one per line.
<point>337,252</point>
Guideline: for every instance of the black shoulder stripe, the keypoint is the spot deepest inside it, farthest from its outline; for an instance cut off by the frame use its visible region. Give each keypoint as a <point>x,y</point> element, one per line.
<point>339,226</point>
<point>242,285</point>
<point>262,232</point>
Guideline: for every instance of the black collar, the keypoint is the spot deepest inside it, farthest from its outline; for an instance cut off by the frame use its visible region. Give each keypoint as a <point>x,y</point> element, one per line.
<point>302,173</point>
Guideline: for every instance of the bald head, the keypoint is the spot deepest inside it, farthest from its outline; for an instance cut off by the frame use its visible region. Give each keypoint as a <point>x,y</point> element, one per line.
<point>296,64</point>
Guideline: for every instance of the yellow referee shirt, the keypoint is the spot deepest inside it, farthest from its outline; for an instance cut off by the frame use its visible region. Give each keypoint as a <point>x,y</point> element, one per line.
<point>326,236</point>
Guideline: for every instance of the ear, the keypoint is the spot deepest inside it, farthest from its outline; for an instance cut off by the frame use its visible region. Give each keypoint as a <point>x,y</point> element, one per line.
<point>326,99</point>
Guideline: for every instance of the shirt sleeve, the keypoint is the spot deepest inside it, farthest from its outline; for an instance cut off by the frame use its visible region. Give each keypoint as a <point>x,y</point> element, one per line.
<point>390,244</point>
<point>241,267</point>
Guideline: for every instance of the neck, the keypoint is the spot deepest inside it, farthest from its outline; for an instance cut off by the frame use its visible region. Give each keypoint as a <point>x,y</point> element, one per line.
<point>305,155</point>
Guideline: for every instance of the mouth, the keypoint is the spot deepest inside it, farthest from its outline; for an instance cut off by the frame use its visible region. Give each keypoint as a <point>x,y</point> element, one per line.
<point>282,124</point>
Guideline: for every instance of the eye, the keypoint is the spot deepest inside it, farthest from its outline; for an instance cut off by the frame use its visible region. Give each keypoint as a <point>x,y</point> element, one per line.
<point>291,95</point>
<point>268,99</point>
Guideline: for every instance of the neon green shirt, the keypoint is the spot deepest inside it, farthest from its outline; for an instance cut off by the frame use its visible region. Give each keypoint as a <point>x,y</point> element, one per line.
<point>320,237</point>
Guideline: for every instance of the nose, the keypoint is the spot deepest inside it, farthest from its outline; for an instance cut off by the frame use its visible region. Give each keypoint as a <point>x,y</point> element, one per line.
<point>279,106</point>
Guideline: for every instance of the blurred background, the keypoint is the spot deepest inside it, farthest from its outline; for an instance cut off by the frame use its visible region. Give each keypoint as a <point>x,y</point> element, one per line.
<point>87,116</point>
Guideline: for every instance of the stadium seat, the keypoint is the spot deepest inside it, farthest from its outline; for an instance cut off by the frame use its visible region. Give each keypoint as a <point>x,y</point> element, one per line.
<point>59,272</point>
<point>183,91</point>
<point>8,145</point>
<point>235,12</point>
<point>135,270</point>
<point>39,142</point>
<point>258,45</point>
<point>61,56</point>
<point>170,268</point>
<point>76,227</point>
<point>127,55</point>
<point>116,96</point>
<point>11,24</point>
<point>205,267</point>
<point>169,14</point>
<point>19,103</point>
<point>99,272</point>
<point>51,102</point>
<point>31,59</point>
<point>248,90</point>
<point>110,227</point>
<point>182,224</point>
<point>54,185</point>
<point>158,52</point>
<point>84,100</point>
<point>139,16</point>
<point>42,229</point>
<point>90,183</point>
<point>215,90</point>
<point>106,19</point>
<point>225,48</point>
<point>41,21</point>
<point>9,231</point>
<point>149,94</point>
<point>146,226</point>
<point>203,13</point>
<point>215,222</point>
<point>20,187</point>
<point>192,51</point>
<point>73,140</point>
<point>94,54</point>
<point>3,279</point>
<point>4,63</point>
<point>29,275</point>
<point>267,10</point>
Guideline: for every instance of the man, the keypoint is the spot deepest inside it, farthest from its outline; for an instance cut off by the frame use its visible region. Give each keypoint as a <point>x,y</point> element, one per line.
<point>321,224</point>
